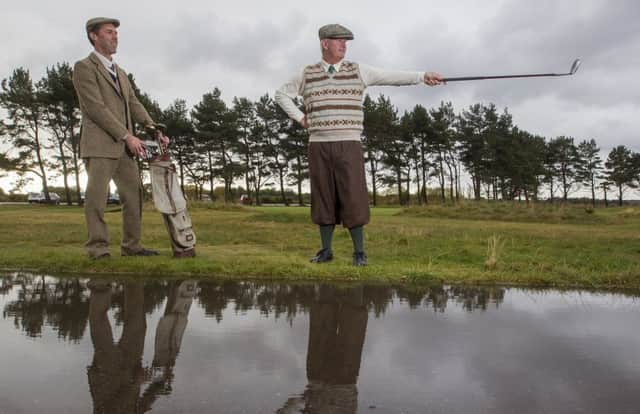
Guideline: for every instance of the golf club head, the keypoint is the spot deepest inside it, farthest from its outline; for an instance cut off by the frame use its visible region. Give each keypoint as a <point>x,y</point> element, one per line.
<point>575,66</point>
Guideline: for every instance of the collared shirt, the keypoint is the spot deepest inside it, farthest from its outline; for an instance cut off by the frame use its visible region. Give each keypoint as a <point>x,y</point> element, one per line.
<point>109,64</point>
<point>370,76</point>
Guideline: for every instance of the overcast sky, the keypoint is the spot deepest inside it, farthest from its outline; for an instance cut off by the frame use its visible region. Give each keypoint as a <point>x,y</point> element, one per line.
<point>183,49</point>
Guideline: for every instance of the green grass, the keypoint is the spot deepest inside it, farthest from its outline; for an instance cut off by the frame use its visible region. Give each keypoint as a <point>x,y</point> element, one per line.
<point>538,246</point>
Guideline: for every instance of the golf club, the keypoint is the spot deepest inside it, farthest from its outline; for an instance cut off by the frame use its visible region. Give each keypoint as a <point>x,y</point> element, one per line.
<point>574,69</point>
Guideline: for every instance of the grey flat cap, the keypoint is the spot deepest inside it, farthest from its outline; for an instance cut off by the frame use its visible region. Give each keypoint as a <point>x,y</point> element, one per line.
<point>334,31</point>
<point>92,23</point>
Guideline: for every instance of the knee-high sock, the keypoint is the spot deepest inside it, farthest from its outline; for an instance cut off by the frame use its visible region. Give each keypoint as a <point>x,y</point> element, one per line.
<point>326,235</point>
<point>357,237</point>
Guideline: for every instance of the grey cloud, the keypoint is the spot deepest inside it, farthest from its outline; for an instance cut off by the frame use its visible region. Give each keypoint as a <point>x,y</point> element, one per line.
<point>250,48</point>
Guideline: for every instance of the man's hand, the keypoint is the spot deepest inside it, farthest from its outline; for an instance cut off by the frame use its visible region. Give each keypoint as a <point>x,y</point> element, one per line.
<point>135,145</point>
<point>163,139</point>
<point>304,122</point>
<point>433,78</point>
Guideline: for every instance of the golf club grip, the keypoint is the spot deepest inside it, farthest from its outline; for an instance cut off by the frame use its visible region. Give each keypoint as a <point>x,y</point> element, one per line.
<point>470,78</point>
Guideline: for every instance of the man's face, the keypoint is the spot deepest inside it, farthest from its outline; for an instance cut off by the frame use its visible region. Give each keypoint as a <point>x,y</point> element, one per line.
<point>334,50</point>
<point>105,39</point>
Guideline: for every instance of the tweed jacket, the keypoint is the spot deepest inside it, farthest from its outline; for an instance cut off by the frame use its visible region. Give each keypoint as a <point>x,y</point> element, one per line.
<point>108,109</point>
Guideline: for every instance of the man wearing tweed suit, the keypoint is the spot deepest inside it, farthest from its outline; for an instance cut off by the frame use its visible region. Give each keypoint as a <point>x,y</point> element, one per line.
<point>107,144</point>
<point>332,92</point>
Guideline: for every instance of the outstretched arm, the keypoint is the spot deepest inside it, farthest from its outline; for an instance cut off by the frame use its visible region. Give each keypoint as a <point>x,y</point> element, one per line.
<point>372,76</point>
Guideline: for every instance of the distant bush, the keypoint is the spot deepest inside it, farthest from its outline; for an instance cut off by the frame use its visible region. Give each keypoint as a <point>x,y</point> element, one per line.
<point>508,211</point>
<point>217,205</point>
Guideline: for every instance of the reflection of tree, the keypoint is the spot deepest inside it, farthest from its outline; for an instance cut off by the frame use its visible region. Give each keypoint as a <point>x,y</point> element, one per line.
<point>63,303</point>
<point>6,285</point>
<point>474,298</point>
<point>338,323</point>
<point>155,293</point>
<point>279,299</point>
<point>438,296</point>
<point>59,303</point>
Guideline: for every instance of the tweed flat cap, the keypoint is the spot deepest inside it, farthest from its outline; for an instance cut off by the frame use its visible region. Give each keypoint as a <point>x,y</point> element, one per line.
<point>91,23</point>
<point>334,31</point>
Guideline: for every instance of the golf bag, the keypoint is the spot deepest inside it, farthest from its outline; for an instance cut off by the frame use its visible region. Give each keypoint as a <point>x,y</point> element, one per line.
<point>169,200</point>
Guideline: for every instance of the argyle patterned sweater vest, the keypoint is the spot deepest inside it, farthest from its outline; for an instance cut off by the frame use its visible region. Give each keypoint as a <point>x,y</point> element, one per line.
<point>333,103</point>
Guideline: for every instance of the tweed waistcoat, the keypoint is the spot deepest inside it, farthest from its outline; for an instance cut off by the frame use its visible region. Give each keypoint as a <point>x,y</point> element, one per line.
<point>333,102</point>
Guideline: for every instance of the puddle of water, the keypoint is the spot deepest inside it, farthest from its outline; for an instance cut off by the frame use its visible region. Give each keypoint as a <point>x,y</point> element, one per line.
<point>80,345</point>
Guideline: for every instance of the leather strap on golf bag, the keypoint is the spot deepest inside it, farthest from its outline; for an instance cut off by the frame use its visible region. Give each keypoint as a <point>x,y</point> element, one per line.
<point>169,200</point>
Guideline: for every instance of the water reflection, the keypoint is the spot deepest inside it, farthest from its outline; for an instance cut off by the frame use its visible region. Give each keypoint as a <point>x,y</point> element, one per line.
<point>337,328</point>
<point>61,304</point>
<point>307,348</point>
<point>116,373</point>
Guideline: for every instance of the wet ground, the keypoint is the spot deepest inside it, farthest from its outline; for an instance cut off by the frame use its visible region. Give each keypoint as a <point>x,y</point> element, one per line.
<point>185,346</point>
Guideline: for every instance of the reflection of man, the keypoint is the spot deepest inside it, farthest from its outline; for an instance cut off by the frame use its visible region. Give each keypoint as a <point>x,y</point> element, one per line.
<point>172,325</point>
<point>332,92</point>
<point>169,333</point>
<point>109,107</point>
<point>116,373</point>
<point>338,323</point>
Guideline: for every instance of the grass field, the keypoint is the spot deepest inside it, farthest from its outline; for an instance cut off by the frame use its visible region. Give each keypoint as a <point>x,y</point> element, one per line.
<point>474,242</point>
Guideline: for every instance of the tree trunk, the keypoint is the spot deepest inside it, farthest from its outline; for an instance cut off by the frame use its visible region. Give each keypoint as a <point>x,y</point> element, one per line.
<point>620,195</point>
<point>247,174</point>
<point>210,156</point>
<point>442,180</point>
<point>565,187</point>
<point>476,183</point>
<point>65,172</point>
<point>399,184</point>
<point>76,169</point>
<point>282,193</point>
<point>418,182</point>
<point>181,167</point>
<point>408,196</point>
<point>43,173</point>
<point>423,159</point>
<point>451,178</point>
<point>374,189</point>
<point>299,179</point>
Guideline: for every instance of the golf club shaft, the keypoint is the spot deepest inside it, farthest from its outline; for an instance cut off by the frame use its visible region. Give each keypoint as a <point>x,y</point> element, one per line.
<point>535,75</point>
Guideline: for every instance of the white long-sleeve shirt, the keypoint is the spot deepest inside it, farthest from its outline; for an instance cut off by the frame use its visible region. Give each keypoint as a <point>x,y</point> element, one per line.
<point>370,76</point>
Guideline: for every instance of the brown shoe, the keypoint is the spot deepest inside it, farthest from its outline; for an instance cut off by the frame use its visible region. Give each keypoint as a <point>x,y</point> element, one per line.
<point>141,252</point>
<point>185,254</point>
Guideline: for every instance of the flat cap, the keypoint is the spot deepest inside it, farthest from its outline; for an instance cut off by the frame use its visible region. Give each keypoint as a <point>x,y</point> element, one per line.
<point>91,23</point>
<point>334,31</point>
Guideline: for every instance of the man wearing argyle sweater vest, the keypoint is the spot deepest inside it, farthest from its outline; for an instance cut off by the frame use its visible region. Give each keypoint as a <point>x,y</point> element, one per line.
<point>332,92</point>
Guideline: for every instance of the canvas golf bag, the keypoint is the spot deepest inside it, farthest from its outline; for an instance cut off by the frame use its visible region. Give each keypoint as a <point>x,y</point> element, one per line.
<point>170,201</point>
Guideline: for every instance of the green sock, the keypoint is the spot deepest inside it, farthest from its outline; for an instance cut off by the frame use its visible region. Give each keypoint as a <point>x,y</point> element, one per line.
<point>326,235</point>
<point>357,236</point>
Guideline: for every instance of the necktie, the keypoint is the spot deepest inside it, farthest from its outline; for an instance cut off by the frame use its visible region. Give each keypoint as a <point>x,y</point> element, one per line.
<point>112,72</point>
<point>331,69</point>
